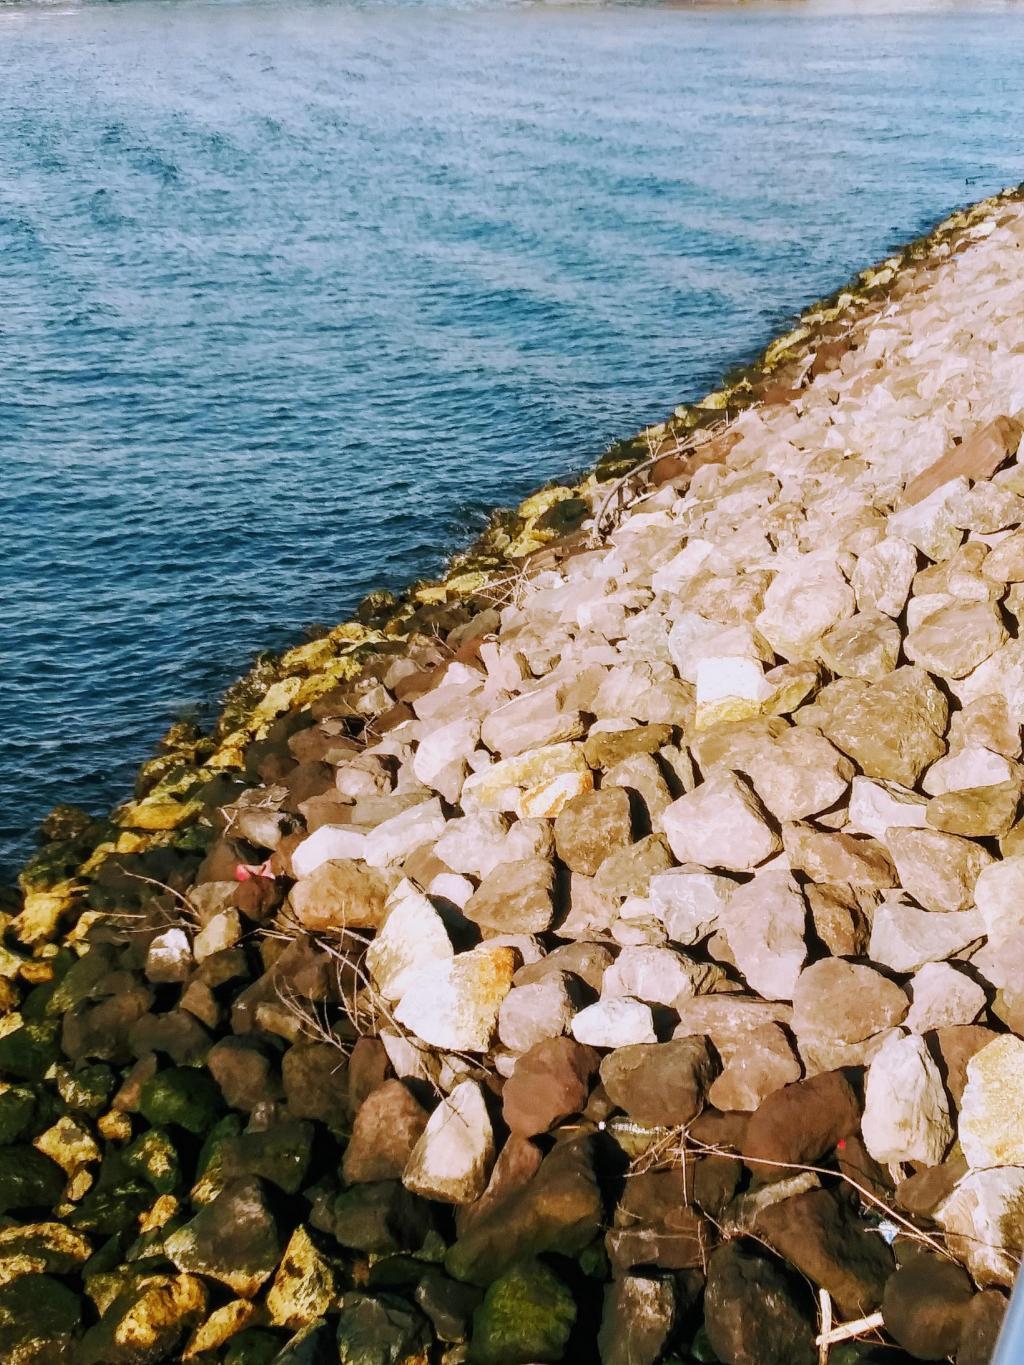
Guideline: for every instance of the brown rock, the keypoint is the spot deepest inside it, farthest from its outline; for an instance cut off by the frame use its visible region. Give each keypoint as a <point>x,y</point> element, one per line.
<point>976,458</point>
<point>387,1127</point>
<point>316,1085</point>
<point>893,729</point>
<point>752,1311</point>
<point>855,860</point>
<point>592,826</point>
<point>627,871</point>
<point>987,723</point>
<point>655,1223</point>
<point>340,894</point>
<point>516,898</point>
<point>922,1193</point>
<point>367,1067</point>
<point>819,1235</point>
<point>976,812</point>
<point>982,1321</point>
<point>845,1001</point>
<point>839,921</point>
<point>660,1083</point>
<point>955,639</point>
<point>609,747</point>
<point>759,1065</point>
<point>517,1164</point>
<point>938,870</point>
<point>551,1082</point>
<point>588,961</point>
<point>246,1075</point>
<point>800,1123</point>
<point>925,1304</point>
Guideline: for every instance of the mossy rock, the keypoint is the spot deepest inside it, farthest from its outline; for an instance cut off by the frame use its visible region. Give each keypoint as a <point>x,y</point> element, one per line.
<point>565,516</point>
<point>27,1053</point>
<point>112,1207</point>
<point>184,1096</point>
<point>146,1323</point>
<point>526,1316</point>
<point>379,1329</point>
<point>253,1346</point>
<point>28,1180</point>
<point>280,1155</point>
<point>39,1318</point>
<point>154,1158</point>
<point>88,1089</point>
<point>17,1110</point>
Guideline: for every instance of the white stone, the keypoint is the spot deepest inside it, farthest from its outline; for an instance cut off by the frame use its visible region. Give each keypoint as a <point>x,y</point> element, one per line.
<point>730,689</point>
<point>971,766</point>
<point>537,783</point>
<point>672,575</point>
<point>450,886</point>
<point>531,1014</point>
<point>222,931</point>
<point>473,843</point>
<point>326,845</point>
<point>984,1223</point>
<point>906,1114</point>
<point>905,938</point>
<point>929,524</point>
<point>659,976</point>
<point>764,923</point>
<point>991,1127</point>
<point>689,903</point>
<point>413,936</point>
<point>883,576</point>
<point>169,957</point>
<point>452,1160</point>
<point>530,721</point>
<point>943,997</point>
<point>396,838</point>
<point>454,1004</point>
<point>801,604</point>
<point>1003,674</point>
<point>999,896</point>
<point>877,806</point>
<point>721,823</point>
<point>442,756</point>
<point>615,1023</point>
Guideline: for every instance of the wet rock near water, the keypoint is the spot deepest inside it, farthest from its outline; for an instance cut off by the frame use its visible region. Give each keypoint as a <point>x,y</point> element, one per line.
<point>613,959</point>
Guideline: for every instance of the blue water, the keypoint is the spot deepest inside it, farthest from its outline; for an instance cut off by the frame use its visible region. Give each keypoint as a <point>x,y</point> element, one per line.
<point>291,293</point>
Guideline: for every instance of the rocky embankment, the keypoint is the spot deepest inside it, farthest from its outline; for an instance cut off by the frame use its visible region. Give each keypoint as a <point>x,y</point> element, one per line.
<point>611,952</point>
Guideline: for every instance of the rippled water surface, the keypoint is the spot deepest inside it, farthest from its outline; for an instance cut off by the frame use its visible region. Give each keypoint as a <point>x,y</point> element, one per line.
<point>290,293</point>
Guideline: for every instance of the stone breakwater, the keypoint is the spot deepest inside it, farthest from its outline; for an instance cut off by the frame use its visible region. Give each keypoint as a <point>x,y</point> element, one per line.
<point>609,952</point>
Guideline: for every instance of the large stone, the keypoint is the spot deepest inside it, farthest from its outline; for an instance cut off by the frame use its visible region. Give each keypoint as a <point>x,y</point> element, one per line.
<point>906,1113</point>
<point>984,1223</point>
<point>305,1286</point>
<point>999,896</point>
<point>612,1023</point>
<point>928,511</point>
<point>845,1001</point>
<point>442,756</point>
<point>816,1232</point>
<point>991,1128</point>
<point>972,765</point>
<point>720,824</point>
<point>845,859</point>
<point>660,1083</point>
<point>371,1331</point>
<point>329,843</point>
<point>550,1084</point>
<point>800,1124</point>
<point>340,895</point>
<point>539,783</point>
<point>944,996</point>
<point>1002,674</point>
<point>752,1311</point>
<point>986,724</point>
<point>892,729</point>
<point>591,827</point>
<point>956,639</point>
<point>925,1306</point>
<point>760,1063</point>
<point>454,1005</point>
<point>798,774</point>
<point>627,871</point>
<point>526,1316</point>
<point>982,1324</point>
<point>387,1128</point>
<point>802,603</point>
<point>978,458</point>
<point>938,870</point>
<point>146,1322</point>
<point>883,574</point>
<point>764,922</point>
<point>233,1239</point>
<point>865,646</point>
<point>876,807</point>
<point>530,1014</point>
<point>530,721</point>
<point>413,935</point>
<point>516,898</point>
<point>904,938</point>
<point>638,1316</point>
<point>977,812</point>
<point>394,839</point>
<point>452,1160</point>
<point>689,903</point>
<point>658,976</point>
<point>473,844</point>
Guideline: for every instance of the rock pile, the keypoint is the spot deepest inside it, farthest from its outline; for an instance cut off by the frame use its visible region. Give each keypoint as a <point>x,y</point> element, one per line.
<point>629,970</point>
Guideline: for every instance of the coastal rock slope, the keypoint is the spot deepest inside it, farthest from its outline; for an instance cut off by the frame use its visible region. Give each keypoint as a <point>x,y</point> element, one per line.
<point>627,965</point>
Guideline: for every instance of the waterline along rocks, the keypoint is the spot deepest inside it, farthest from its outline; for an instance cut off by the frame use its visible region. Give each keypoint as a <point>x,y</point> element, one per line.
<point>613,951</point>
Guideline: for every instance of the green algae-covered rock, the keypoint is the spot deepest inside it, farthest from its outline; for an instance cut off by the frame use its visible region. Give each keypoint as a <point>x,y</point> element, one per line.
<point>154,1158</point>
<point>233,1239</point>
<point>146,1323</point>
<point>17,1109</point>
<point>88,1089</point>
<point>38,1319</point>
<point>280,1154</point>
<point>253,1346</point>
<point>311,1345</point>
<point>526,1316</point>
<point>183,1096</point>
<point>27,1053</point>
<point>28,1180</point>
<point>379,1330</point>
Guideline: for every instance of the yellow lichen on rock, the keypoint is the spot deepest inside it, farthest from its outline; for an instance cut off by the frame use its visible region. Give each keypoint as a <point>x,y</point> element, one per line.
<point>218,1329</point>
<point>305,1286</point>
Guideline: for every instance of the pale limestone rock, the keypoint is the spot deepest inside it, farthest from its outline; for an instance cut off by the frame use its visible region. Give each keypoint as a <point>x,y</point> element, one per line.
<point>883,574</point>
<point>412,937</point>
<point>904,938</point>
<point>454,1004</point>
<point>658,976</point>
<point>988,507</point>
<point>985,723</point>
<point>728,1020</point>
<point>538,783</point>
<point>1005,563</point>
<point>530,1014</point>
<point>1001,674</point>
<point>221,931</point>
<point>689,903</point>
<point>879,806</point>
<point>845,859</point>
<point>730,689</point>
<point>642,774</point>
<point>971,766</point>
<point>992,1109</point>
<point>865,646</point>
<point>984,1223</point>
<point>693,638</point>
<point>999,896</point>
<point>764,924</point>
<point>528,838</point>
<point>845,1001</point>
<point>938,870</point>
<point>929,524</point>
<point>671,576</point>
<point>906,1114</point>
<point>954,640</point>
<point>452,1160</point>
<point>760,1065</point>
<point>442,756</point>
<point>530,721</point>
<point>451,887</point>
<point>958,577</point>
<point>327,844</point>
<point>169,957</point>
<point>798,774</point>
<point>944,996</point>
<point>802,603</point>
<point>473,843</point>
<point>721,823</point>
<point>893,729</point>
<point>793,684</point>
<point>396,838</point>
<point>977,812</point>
<point>614,1023</point>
